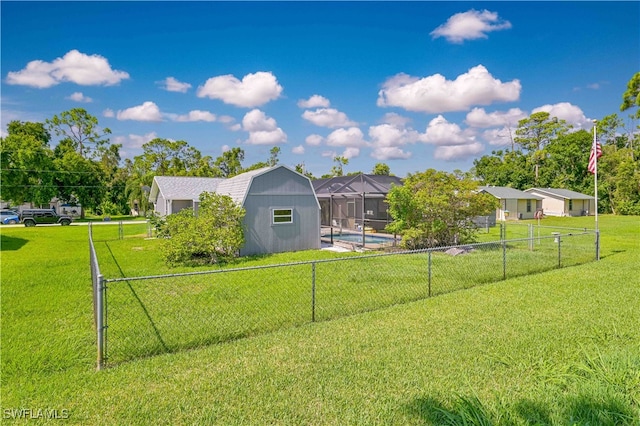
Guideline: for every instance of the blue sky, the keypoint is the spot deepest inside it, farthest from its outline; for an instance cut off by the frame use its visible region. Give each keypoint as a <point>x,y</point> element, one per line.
<point>415,85</point>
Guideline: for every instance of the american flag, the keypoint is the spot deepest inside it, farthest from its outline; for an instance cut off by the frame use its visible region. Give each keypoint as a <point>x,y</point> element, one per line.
<point>596,152</point>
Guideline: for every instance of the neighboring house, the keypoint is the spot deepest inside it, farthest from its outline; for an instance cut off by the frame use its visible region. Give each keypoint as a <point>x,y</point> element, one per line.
<point>563,202</point>
<point>282,211</point>
<point>514,204</point>
<point>351,201</point>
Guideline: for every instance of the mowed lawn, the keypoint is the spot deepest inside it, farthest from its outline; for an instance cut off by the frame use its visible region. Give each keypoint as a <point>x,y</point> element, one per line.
<point>559,347</point>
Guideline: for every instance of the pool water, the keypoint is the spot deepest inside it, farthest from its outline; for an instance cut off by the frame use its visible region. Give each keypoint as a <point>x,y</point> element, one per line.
<point>357,238</point>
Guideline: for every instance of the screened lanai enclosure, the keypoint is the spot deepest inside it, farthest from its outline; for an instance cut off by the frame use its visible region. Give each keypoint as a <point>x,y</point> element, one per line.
<point>354,203</point>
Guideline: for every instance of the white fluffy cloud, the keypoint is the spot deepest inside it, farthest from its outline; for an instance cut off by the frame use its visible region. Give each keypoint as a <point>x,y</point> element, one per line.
<point>470,25</point>
<point>262,130</point>
<point>170,84</point>
<point>436,94</point>
<point>395,119</point>
<point>500,137</point>
<point>351,138</point>
<point>195,115</point>
<point>328,117</point>
<point>298,149</point>
<point>441,132</point>
<point>351,152</point>
<point>74,67</point>
<point>254,89</point>
<point>314,140</point>
<point>568,112</point>
<point>315,101</point>
<point>148,111</point>
<point>387,141</point>
<point>478,117</point>
<point>80,97</point>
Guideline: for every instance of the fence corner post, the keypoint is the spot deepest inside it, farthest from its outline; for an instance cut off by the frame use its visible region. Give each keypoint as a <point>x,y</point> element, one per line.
<point>100,336</point>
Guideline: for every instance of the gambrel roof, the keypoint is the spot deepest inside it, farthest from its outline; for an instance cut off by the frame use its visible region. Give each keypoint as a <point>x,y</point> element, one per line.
<point>190,188</point>
<point>182,187</point>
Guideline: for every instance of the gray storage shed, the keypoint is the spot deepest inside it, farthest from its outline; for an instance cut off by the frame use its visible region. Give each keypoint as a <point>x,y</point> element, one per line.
<point>282,211</point>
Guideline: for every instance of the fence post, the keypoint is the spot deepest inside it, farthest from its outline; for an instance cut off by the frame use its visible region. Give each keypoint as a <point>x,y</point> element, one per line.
<point>504,260</point>
<point>120,230</point>
<point>100,317</point>
<point>530,237</point>
<point>429,273</point>
<point>313,291</point>
<point>559,252</point>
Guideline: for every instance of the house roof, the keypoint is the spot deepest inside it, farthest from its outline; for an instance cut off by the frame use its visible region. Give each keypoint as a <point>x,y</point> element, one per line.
<point>562,193</point>
<point>503,192</point>
<point>182,187</point>
<point>355,185</point>
<point>190,188</point>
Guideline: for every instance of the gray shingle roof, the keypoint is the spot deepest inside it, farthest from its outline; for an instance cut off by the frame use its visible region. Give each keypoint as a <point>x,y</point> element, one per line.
<point>183,187</point>
<point>562,193</point>
<point>237,186</point>
<point>503,192</point>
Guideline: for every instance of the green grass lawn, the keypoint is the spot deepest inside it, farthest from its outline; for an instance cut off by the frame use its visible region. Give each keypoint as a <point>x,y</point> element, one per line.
<point>559,347</point>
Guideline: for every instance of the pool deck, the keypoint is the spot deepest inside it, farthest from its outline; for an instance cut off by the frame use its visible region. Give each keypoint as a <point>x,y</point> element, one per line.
<point>325,237</point>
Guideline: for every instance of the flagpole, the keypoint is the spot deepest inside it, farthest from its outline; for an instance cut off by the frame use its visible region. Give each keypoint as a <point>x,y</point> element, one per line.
<point>594,148</point>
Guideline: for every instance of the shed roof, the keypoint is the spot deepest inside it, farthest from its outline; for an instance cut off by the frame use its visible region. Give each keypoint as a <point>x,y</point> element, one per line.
<point>238,186</point>
<point>182,187</point>
<point>562,193</point>
<point>355,185</point>
<point>503,192</point>
<point>190,188</point>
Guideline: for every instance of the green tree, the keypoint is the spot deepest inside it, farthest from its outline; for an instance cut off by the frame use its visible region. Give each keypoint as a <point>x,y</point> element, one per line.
<point>82,129</point>
<point>300,168</point>
<point>273,156</point>
<point>535,133</point>
<point>213,235</point>
<point>339,163</point>
<point>79,180</point>
<point>27,167</point>
<point>631,98</point>
<point>381,169</point>
<point>504,168</point>
<point>566,165</point>
<point>229,164</point>
<point>434,208</point>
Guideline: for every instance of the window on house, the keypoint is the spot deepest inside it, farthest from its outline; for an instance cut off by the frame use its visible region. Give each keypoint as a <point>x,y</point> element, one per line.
<point>570,205</point>
<point>280,216</point>
<point>528,206</point>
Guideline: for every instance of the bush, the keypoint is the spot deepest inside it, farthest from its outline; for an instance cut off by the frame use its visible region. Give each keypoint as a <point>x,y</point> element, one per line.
<point>213,235</point>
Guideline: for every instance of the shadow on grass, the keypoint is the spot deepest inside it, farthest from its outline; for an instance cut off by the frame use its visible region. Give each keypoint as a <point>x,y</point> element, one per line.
<point>574,410</point>
<point>142,306</point>
<point>11,243</point>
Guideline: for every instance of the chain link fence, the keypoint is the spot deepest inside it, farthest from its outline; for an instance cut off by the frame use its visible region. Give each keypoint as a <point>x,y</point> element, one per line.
<point>145,316</point>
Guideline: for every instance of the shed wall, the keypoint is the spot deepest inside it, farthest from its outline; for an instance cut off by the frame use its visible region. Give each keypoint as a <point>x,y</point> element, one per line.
<point>280,188</point>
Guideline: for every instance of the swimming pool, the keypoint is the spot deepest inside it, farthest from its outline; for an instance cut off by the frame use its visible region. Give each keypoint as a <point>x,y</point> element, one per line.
<point>357,238</point>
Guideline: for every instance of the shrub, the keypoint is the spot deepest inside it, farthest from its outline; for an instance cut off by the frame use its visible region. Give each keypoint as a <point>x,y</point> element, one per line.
<point>213,235</point>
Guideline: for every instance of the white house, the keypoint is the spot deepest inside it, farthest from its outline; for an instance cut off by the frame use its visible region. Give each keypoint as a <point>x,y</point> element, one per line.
<point>514,204</point>
<point>563,202</point>
<point>282,211</point>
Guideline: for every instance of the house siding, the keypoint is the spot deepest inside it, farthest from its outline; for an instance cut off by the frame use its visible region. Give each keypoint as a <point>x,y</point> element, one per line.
<point>558,205</point>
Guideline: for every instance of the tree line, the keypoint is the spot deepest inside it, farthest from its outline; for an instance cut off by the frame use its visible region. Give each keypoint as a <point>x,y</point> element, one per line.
<point>86,168</point>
